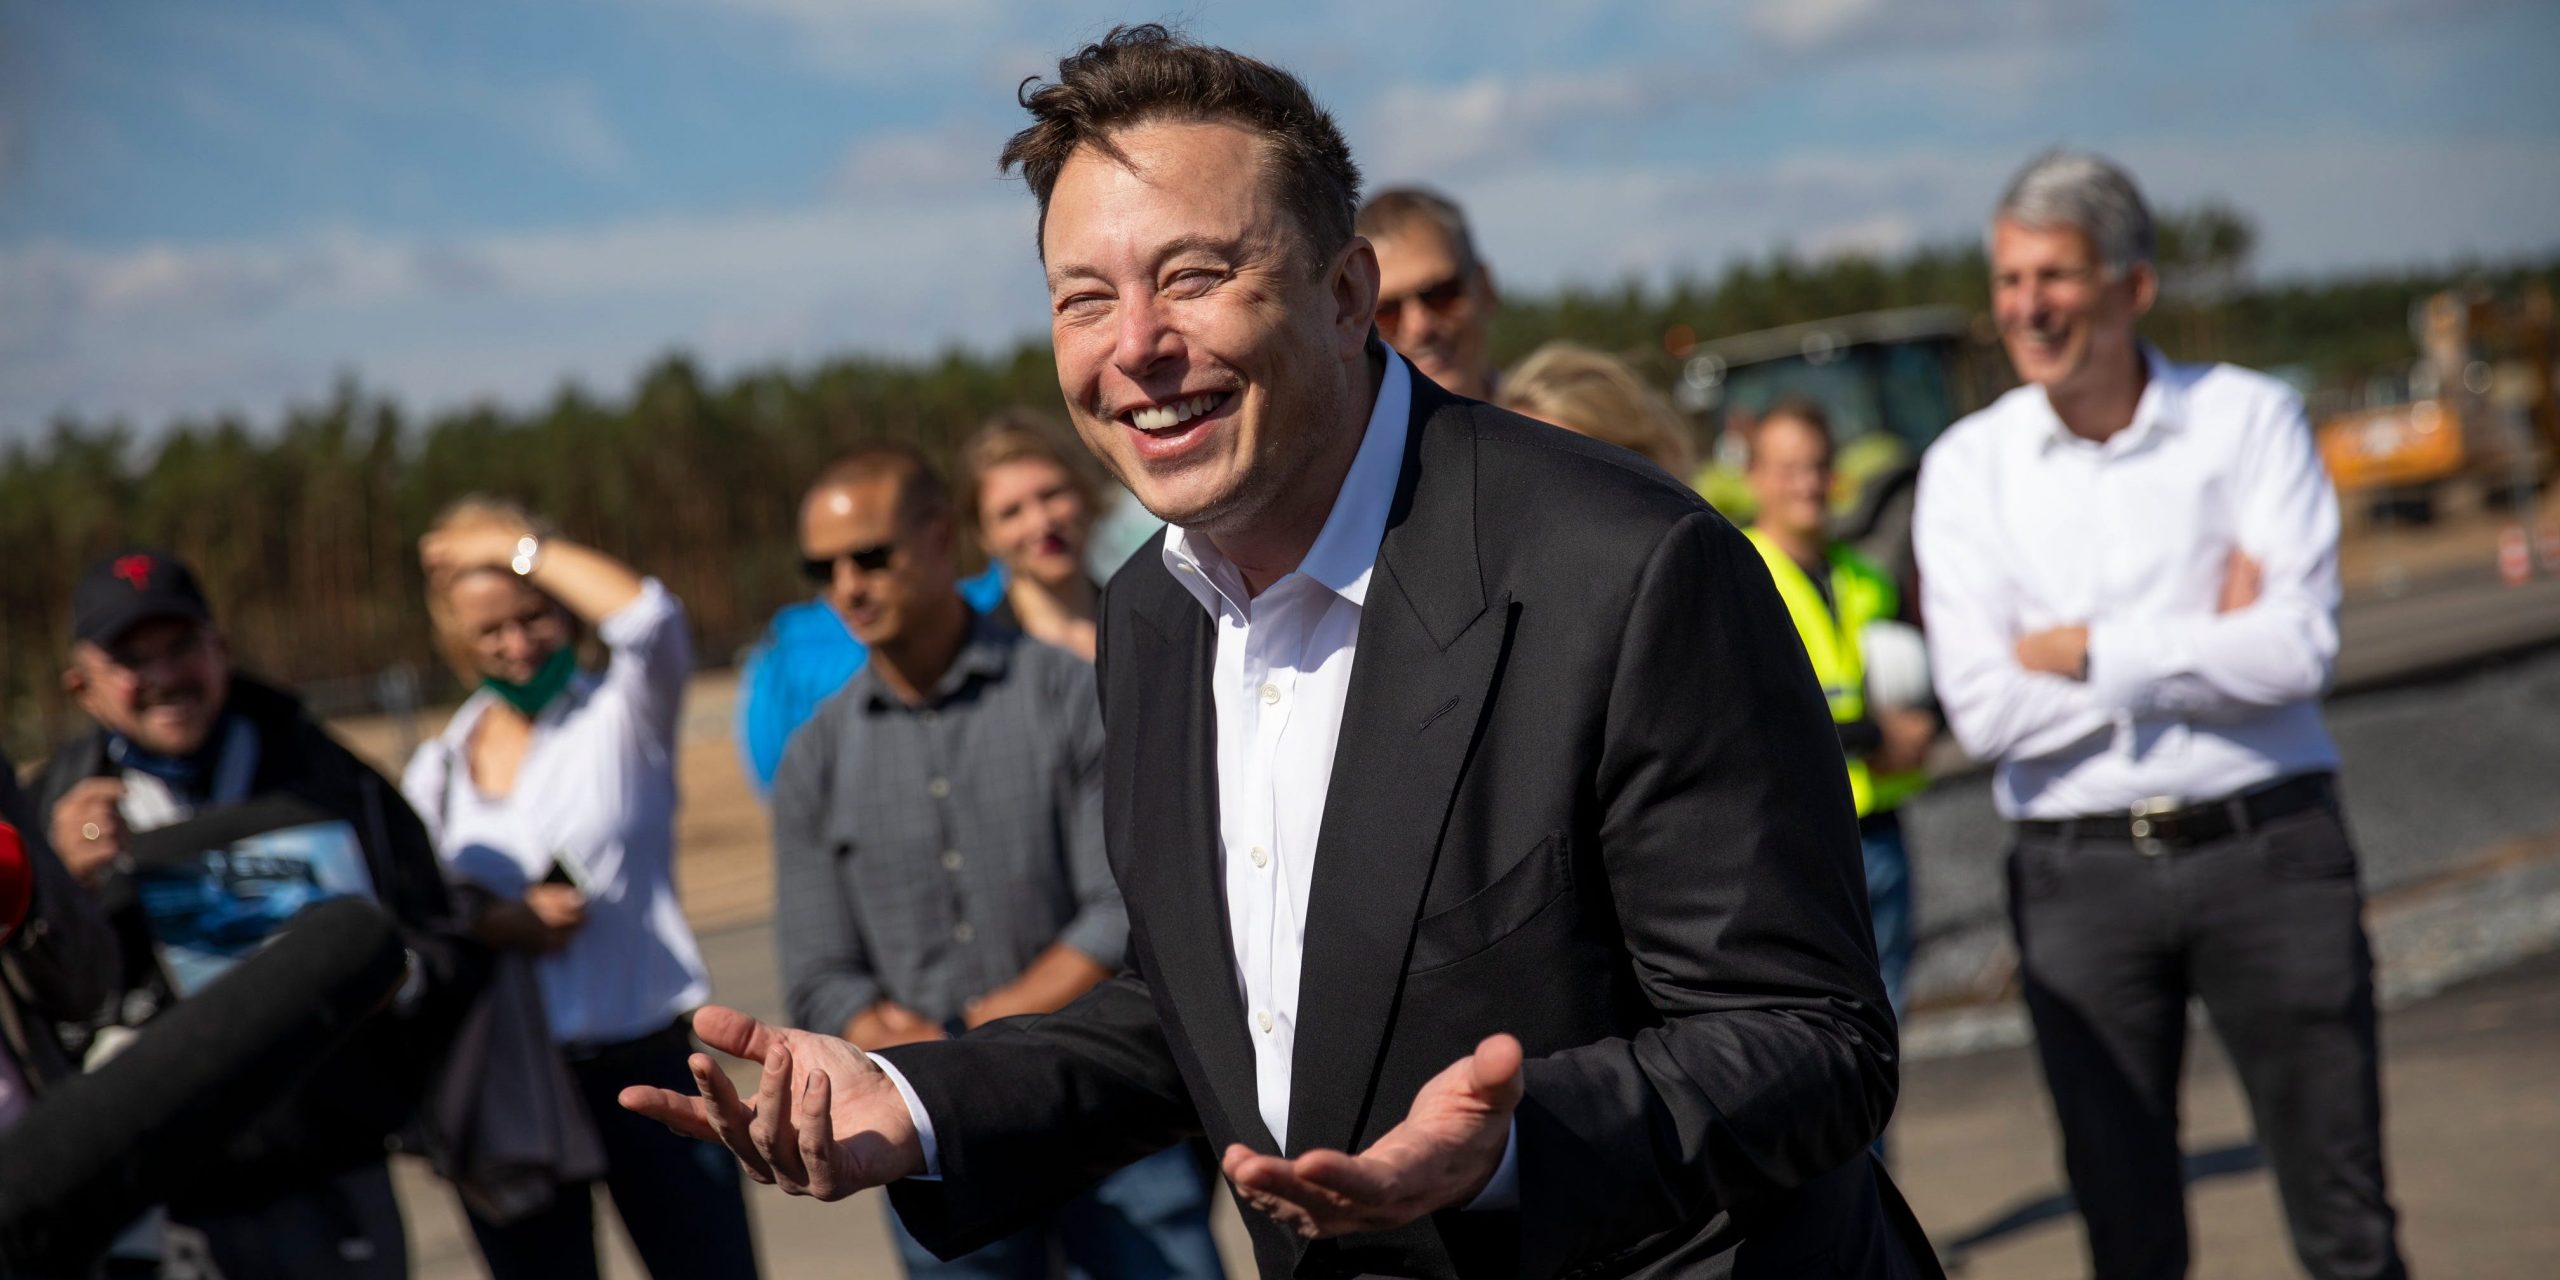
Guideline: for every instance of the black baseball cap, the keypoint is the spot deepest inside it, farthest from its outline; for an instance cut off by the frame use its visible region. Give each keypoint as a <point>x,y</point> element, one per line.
<point>130,587</point>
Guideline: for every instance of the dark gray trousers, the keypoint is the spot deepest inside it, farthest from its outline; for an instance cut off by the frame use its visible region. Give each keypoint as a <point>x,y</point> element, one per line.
<point>2263,926</point>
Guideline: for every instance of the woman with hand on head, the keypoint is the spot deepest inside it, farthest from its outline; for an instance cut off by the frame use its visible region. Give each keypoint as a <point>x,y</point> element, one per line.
<point>551,796</point>
<point>1031,498</point>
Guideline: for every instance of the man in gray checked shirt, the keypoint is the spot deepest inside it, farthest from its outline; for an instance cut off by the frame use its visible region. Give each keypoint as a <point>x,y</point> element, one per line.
<point>938,853</point>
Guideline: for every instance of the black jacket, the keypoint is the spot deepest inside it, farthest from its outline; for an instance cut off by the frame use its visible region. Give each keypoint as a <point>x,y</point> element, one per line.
<point>1587,792</point>
<point>367,1091</point>
<point>62,966</point>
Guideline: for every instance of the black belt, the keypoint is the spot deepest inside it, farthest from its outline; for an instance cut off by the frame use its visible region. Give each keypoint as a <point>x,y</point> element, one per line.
<point>2157,823</point>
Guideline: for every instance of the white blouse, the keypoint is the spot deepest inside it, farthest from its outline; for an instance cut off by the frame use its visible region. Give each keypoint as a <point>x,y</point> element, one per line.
<point>596,791</point>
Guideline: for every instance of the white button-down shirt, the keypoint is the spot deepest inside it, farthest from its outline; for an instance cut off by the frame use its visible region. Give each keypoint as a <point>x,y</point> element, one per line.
<point>596,792</point>
<point>2023,526</point>
<point>1280,678</point>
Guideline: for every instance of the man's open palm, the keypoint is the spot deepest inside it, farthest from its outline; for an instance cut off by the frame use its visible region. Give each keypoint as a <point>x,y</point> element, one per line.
<point>1441,1157</point>
<point>825,1121</point>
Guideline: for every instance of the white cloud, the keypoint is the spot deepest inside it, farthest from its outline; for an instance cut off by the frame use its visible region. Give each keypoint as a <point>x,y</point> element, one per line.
<point>909,164</point>
<point>1803,24</point>
<point>161,331</point>
<point>1831,26</point>
<point>2322,203</point>
<point>1495,123</point>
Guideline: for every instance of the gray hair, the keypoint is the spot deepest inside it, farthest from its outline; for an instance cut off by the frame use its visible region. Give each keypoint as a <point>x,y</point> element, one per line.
<point>2089,194</point>
<point>1398,208</point>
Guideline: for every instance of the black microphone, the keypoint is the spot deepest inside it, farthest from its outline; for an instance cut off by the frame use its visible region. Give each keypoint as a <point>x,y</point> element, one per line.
<point>100,1149</point>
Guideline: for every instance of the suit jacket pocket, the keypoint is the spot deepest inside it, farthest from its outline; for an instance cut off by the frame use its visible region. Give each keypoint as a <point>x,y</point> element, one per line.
<point>1492,913</point>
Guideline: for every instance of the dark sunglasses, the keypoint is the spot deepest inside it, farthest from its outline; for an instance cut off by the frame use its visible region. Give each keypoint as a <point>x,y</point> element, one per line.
<point>1439,299</point>
<point>867,559</point>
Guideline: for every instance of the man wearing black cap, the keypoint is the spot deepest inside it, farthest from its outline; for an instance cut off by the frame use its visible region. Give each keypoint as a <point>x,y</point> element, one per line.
<point>180,734</point>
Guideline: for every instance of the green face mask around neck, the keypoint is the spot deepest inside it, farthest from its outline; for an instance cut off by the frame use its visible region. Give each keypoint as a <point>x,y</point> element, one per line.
<point>533,695</point>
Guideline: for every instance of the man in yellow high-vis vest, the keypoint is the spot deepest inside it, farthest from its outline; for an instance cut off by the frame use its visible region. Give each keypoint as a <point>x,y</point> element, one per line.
<point>1834,596</point>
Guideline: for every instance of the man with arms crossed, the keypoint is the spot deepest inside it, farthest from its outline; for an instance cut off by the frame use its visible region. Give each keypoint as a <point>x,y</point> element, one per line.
<point>1474,805</point>
<point>2130,575</point>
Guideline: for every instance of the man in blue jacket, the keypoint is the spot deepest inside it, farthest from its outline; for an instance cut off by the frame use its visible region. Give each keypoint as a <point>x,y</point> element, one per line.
<point>809,650</point>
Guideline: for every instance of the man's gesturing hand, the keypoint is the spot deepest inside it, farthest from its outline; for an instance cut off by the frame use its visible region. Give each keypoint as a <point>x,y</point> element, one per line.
<point>1441,1157</point>
<point>814,1089</point>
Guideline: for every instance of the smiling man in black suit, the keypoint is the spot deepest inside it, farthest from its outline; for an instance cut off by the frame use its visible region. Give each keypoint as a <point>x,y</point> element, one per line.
<point>1475,806</point>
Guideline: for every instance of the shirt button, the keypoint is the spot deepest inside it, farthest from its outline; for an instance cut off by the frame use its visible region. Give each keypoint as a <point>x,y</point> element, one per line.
<point>1263,1020</point>
<point>1261,856</point>
<point>938,788</point>
<point>1270,695</point>
<point>950,859</point>
<point>963,932</point>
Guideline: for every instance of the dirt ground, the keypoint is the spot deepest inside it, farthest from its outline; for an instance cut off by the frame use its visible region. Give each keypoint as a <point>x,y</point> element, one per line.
<point>2472,1115</point>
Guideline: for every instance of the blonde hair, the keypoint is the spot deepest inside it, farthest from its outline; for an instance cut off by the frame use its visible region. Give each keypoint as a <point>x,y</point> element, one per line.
<point>1595,394</point>
<point>470,513</point>
<point>1022,435</point>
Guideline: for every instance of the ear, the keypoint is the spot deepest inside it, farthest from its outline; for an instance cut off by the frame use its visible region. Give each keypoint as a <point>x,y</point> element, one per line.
<point>1484,282</point>
<point>2146,287</point>
<point>77,683</point>
<point>1354,288</point>
<point>941,534</point>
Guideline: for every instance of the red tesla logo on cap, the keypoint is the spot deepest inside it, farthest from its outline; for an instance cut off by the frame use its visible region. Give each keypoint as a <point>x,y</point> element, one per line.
<point>136,570</point>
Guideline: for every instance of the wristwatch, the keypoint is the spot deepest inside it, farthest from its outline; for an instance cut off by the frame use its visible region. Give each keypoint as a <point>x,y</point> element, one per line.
<point>528,554</point>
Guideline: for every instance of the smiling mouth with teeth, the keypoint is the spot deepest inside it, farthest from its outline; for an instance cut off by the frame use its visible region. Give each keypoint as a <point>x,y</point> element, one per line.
<point>1165,417</point>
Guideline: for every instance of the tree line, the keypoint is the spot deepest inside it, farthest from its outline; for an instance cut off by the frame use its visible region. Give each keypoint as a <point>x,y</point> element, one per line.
<point>304,529</point>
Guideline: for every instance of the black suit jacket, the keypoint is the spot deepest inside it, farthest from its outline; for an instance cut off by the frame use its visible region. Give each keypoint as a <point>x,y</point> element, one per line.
<point>1587,792</point>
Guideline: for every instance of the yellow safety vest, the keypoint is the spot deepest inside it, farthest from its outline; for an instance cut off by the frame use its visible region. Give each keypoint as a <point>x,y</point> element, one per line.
<point>1863,594</point>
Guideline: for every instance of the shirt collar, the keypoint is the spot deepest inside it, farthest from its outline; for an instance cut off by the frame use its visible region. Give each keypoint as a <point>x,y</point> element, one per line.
<point>983,656</point>
<point>1345,552</point>
<point>2161,409</point>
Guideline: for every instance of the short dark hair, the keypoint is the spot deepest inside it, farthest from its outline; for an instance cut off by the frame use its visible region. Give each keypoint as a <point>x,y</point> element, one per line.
<point>922,493</point>
<point>1804,411</point>
<point>1398,208</point>
<point>1144,74</point>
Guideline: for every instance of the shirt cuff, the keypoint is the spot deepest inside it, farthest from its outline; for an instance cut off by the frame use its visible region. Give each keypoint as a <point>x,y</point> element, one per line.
<point>1503,1191</point>
<point>2126,659</point>
<point>915,1112</point>
<point>642,617</point>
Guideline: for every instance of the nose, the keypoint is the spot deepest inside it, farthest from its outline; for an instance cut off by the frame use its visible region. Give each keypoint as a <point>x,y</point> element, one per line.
<point>851,583</point>
<point>2015,307</point>
<point>516,644</point>
<point>1143,338</point>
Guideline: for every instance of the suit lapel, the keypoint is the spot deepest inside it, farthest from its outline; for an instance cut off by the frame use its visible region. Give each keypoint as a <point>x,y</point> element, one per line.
<point>1172,879</point>
<point>1429,651</point>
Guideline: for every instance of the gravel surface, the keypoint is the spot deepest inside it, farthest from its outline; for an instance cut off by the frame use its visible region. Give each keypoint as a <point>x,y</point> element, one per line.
<point>2438,776</point>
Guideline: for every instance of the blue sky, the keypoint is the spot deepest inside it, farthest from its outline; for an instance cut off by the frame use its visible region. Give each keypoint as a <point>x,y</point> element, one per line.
<point>221,208</point>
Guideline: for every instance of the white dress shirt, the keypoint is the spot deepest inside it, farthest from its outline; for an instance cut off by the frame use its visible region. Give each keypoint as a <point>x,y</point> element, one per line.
<point>1280,679</point>
<point>596,791</point>
<point>2022,526</point>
